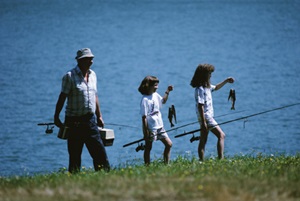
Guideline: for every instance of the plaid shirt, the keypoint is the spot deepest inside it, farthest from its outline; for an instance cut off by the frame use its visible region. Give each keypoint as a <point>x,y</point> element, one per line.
<point>81,94</point>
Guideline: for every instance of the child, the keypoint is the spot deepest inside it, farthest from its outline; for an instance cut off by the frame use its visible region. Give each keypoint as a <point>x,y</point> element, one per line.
<point>204,107</point>
<point>153,127</point>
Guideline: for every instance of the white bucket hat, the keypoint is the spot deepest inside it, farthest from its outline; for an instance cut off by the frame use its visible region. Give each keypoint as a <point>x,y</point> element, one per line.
<point>85,52</point>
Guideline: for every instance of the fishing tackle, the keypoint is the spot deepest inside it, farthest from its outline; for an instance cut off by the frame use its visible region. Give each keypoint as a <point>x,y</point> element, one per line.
<point>121,125</point>
<point>245,123</point>
<point>140,147</point>
<point>49,128</point>
<point>194,138</point>
<point>241,118</point>
<point>107,135</point>
<point>226,122</point>
<point>197,122</point>
<point>142,139</point>
<point>131,143</point>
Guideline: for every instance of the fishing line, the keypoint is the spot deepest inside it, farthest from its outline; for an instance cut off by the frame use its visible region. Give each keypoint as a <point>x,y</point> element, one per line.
<point>111,124</point>
<point>121,125</point>
<point>198,121</point>
<point>245,117</point>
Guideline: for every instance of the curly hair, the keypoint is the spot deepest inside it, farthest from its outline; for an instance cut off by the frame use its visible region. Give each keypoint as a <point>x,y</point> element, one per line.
<point>147,82</point>
<point>201,76</point>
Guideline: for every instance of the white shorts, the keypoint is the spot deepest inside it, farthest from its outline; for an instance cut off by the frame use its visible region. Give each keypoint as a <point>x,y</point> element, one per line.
<point>211,123</point>
<point>159,134</point>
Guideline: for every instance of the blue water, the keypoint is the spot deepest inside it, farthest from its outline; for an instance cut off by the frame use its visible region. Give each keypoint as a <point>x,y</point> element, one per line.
<point>256,42</point>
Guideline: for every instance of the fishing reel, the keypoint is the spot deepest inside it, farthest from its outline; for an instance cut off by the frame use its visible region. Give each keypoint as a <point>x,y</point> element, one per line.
<point>194,138</point>
<point>140,147</point>
<point>49,128</point>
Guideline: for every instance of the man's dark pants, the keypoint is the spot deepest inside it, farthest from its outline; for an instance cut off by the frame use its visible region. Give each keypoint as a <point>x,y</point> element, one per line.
<point>84,130</point>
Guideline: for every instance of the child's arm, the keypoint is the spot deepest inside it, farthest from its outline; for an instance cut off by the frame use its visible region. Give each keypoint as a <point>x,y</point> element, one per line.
<point>165,97</point>
<point>228,80</point>
<point>145,127</point>
<point>201,112</point>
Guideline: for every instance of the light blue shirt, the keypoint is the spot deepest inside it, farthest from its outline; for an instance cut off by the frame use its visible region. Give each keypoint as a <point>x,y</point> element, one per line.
<point>81,95</point>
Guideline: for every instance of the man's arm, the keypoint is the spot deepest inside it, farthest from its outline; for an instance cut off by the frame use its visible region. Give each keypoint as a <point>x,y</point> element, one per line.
<point>98,113</point>
<point>59,105</point>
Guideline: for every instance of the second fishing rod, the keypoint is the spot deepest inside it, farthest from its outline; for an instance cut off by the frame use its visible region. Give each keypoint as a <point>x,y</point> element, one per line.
<point>194,138</point>
<point>233,120</point>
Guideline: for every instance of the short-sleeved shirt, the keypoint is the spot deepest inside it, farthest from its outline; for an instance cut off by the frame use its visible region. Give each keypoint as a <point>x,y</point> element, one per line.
<point>203,96</point>
<point>81,95</point>
<point>150,107</point>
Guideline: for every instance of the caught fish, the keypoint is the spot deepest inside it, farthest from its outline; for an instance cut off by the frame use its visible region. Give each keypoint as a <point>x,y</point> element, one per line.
<point>174,113</point>
<point>232,98</point>
<point>171,115</point>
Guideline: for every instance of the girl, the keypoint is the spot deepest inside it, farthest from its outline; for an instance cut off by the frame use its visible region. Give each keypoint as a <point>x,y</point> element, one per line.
<point>153,128</point>
<point>204,107</point>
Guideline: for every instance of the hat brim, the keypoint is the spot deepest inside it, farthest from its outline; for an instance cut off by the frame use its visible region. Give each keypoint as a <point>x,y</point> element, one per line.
<point>84,56</point>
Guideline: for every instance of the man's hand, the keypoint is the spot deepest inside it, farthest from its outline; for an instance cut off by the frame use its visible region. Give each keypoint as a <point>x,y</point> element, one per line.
<point>100,122</point>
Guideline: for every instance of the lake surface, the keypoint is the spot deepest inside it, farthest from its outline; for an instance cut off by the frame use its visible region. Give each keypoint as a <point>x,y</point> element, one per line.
<point>256,42</point>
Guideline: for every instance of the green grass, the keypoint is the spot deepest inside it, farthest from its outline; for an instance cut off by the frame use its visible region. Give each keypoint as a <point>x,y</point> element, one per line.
<point>240,178</point>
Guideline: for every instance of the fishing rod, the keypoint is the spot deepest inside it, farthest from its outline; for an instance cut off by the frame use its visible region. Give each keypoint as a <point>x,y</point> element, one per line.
<point>48,130</point>
<point>237,119</point>
<point>50,126</point>
<point>142,139</point>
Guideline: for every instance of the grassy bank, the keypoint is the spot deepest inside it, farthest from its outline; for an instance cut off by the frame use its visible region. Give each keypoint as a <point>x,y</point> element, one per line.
<point>237,178</point>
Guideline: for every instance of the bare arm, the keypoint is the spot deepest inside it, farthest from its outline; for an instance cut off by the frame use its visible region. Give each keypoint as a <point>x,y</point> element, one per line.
<point>98,113</point>
<point>221,84</point>
<point>145,127</point>
<point>203,120</point>
<point>59,105</point>
<point>166,95</point>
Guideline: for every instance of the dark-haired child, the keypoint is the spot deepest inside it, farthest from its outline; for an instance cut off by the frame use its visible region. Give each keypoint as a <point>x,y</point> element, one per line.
<point>153,127</point>
<point>204,107</point>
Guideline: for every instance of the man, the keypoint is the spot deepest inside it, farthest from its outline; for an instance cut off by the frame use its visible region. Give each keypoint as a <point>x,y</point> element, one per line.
<point>82,115</point>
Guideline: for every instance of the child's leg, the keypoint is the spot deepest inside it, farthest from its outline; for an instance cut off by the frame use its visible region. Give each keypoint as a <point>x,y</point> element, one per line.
<point>221,138</point>
<point>148,147</point>
<point>202,143</point>
<point>167,152</point>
